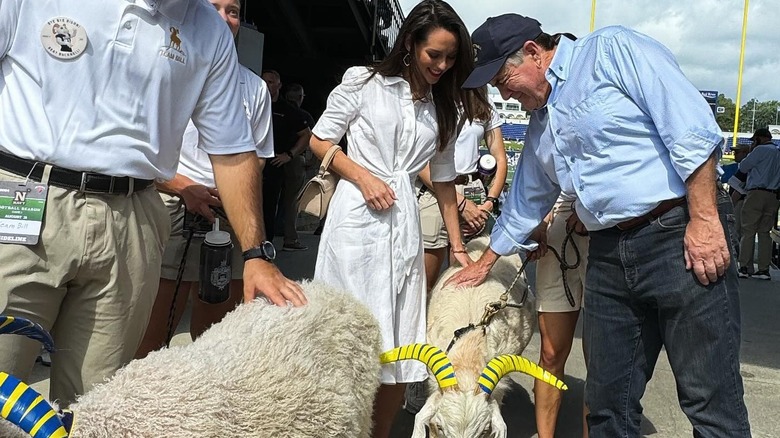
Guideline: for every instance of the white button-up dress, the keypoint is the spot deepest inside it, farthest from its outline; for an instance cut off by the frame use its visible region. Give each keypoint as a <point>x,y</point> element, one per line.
<point>377,255</point>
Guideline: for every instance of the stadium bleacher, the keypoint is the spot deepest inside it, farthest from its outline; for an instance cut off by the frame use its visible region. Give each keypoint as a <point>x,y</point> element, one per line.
<point>514,131</point>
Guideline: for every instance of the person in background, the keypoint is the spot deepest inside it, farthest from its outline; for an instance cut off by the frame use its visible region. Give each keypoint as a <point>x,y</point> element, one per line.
<point>759,211</point>
<point>558,302</point>
<point>398,115</point>
<point>115,108</point>
<point>736,189</point>
<point>193,189</point>
<point>291,139</point>
<point>634,140</point>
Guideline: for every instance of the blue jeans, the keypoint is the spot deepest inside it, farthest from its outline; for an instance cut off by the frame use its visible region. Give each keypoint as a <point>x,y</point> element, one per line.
<point>639,298</point>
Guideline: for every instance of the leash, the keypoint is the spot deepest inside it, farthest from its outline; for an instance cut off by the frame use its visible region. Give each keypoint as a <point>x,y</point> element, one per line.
<point>492,308</point>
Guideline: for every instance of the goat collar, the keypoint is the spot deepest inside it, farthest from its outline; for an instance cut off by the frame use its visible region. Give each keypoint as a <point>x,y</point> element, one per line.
<point>462,331</point>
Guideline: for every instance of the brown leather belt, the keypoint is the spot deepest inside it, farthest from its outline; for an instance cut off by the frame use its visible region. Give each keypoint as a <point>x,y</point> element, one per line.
<point>645,219</point>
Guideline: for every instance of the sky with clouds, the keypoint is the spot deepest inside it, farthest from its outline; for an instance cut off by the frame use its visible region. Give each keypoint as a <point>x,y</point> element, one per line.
<point>704,35</point>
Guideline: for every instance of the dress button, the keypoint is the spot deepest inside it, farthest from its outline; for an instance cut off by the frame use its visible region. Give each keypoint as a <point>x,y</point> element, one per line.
<point>128,25</point>
<point>582,187</point>
<point>558,131</point>
<point>572,159</point>
<point>599,214</point>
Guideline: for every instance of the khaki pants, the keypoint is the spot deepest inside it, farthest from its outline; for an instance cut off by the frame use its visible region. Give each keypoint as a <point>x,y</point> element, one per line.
<point>91,280</point>
<point>759,213</point>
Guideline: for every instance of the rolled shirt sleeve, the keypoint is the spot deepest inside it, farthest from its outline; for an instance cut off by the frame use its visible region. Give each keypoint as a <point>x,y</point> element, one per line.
<point>219,115</point>
<point>443,163</point>
<point>531,196</point>
<point>648,73</point>
<point>343,105</point>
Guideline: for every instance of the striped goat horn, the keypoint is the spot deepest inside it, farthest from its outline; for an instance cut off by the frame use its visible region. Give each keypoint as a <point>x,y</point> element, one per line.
<point>500,366</point>
<point>436,360</point>
<point>24,407</point>
<point>23,326</point>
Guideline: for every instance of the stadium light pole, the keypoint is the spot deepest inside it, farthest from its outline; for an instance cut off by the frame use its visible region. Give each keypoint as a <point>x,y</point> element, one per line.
<point>593,15</point>
<point>741,66</point>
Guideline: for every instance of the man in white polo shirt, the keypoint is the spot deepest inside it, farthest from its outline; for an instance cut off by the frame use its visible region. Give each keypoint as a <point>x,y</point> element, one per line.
<point>95,96</point>
<point>193,190</point>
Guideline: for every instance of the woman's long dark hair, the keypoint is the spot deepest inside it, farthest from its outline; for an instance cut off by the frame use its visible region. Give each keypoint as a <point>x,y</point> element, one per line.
<point>427,16</point>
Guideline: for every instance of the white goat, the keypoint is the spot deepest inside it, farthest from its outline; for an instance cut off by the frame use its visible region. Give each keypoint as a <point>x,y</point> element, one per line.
<point>466,395</point>
<point>264,371</point>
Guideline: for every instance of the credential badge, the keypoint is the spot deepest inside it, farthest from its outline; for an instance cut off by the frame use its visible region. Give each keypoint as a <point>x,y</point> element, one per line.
<point>63,38</point>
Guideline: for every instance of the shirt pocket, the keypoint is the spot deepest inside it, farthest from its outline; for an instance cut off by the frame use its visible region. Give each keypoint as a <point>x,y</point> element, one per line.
<point>590,126</point>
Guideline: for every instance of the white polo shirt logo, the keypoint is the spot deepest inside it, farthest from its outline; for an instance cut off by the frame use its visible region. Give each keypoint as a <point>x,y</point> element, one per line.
<point>173,50</point>
<point>63,38</point>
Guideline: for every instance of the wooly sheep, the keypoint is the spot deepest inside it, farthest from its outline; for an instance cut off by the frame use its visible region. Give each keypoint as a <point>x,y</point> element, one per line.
<point>264,371</point>
<point>466,394</point>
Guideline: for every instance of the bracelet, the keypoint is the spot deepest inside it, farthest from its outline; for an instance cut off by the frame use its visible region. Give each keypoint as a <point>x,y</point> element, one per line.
<point>492,199</point>
<point>462,205</point>
<point>460,251</point>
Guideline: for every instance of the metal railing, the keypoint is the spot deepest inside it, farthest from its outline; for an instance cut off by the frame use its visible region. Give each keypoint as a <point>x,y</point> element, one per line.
<point>387,17</point>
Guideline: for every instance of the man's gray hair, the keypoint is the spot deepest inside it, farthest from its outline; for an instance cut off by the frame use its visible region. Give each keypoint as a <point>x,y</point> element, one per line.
<point>516,58</point>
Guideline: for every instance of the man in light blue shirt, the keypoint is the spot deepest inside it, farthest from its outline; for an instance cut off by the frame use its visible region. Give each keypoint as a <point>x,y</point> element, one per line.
<point>616,122</point>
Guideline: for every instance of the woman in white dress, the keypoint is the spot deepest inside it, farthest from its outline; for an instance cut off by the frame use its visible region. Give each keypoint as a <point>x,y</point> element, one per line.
<point>398,116</point>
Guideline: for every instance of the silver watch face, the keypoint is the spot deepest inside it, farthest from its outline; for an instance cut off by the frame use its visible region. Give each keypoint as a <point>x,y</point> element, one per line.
<point>268,249</point>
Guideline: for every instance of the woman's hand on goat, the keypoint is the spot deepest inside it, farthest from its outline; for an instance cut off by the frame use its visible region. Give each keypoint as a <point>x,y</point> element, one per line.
<point>378,195</point>
<point>262,278</point>
<point>462,257</point>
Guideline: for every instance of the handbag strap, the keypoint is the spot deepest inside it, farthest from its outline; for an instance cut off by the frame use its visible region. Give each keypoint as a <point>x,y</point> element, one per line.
<point>328,158</point>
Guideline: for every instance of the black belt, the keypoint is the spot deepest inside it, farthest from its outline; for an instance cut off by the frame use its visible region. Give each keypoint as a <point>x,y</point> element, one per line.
<point>467,178</point>
<point>764,189</point>
<point>86,182</point>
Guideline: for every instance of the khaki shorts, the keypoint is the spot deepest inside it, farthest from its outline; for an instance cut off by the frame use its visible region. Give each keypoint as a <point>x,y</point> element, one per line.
<point>434,234</point>
<point>550,292</point>
<point>174,250</point>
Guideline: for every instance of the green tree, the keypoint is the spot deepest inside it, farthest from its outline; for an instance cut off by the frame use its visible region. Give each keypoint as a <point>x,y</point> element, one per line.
<point>726,119</point>
<point>755,114</point>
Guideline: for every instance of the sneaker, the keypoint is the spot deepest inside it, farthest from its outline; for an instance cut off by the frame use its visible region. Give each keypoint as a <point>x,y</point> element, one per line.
<point>762,275</point>
<point>294,246</point>
<point>44,358</point>
<point>743,272</point>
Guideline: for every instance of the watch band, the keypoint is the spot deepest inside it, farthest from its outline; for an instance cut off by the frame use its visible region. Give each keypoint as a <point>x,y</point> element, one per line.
<point>255,253</point>
<point>491,199</point>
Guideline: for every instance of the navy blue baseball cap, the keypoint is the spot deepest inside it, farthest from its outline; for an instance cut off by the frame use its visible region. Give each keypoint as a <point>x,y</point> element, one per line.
<point>497,39</point>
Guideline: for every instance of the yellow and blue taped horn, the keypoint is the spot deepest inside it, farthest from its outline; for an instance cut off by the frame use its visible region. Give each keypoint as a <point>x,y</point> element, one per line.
<point>24,407</point>
<point>500,366</point>
<point>23,326</point>
<point>436,360</point>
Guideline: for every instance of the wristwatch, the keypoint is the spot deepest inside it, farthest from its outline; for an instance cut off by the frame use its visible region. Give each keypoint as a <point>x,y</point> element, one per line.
<point>265,251</point>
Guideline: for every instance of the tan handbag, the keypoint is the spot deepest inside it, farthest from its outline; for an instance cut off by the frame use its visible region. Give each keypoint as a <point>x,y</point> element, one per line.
<point>316,194</point>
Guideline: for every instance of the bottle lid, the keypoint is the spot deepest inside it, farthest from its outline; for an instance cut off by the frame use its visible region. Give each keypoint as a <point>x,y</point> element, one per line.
<point>218,238</point>
<point>486,164</point>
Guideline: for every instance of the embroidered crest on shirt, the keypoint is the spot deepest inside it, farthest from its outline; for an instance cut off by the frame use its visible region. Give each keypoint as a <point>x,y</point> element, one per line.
<point>173,50</point>
<point>64,38</point>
